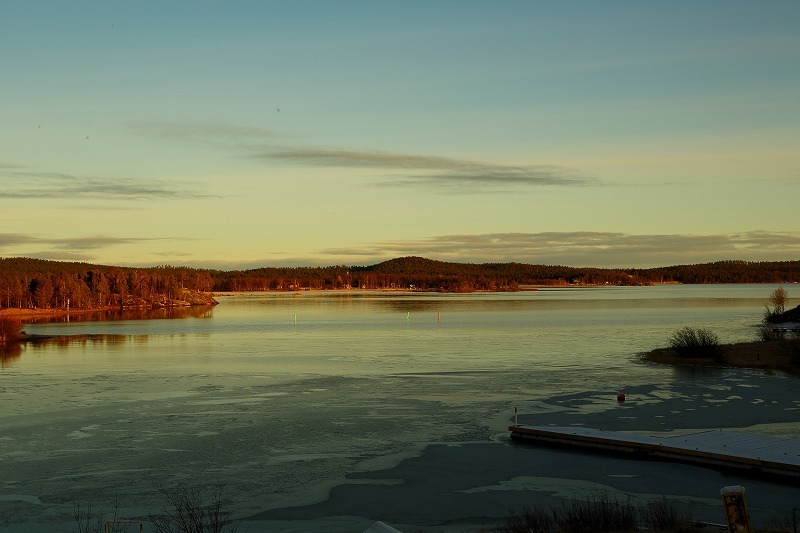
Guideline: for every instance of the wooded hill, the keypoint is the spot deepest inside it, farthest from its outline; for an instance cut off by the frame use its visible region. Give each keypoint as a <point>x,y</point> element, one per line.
<point>35,283</point>
<point>29,283</point>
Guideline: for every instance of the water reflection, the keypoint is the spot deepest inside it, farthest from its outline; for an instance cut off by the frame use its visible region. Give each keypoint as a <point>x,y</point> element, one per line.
<point>205,311</point>
<point>544,300</point>
<point>9,351</point>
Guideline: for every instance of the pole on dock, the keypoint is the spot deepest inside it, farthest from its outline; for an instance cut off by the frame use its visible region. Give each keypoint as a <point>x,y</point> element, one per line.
<point>516,419</point>
<point>736,513</point>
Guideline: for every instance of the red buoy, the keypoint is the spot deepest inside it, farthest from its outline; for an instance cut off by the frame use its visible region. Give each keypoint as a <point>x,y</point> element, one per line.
<point>620,397</point>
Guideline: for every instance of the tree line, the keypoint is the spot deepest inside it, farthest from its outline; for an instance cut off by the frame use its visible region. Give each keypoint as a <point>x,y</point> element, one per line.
<point>426,274</point>
<point>35,283</point>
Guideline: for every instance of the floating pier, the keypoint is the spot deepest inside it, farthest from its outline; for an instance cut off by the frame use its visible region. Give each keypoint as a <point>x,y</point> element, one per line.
<point>757,454</point>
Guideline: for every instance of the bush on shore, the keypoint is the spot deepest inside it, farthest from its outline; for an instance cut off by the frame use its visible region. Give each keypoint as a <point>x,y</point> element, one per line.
<point>695,342</point>
<point>187,509</point>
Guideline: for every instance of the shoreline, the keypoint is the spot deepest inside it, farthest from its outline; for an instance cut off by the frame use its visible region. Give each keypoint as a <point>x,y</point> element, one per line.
<point>770,356</point>
<point>17,313</point>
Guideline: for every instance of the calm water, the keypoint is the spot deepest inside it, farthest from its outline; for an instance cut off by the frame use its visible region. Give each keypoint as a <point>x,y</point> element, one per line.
<point>283,396</point>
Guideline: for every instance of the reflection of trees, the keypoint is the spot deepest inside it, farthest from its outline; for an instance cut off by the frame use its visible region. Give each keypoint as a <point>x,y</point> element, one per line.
<point>13,349</point>
<point>9,329</point>
<point>64,341</point>
<point>205,311</point>
<point>392,302</point>
<point>9,351</point>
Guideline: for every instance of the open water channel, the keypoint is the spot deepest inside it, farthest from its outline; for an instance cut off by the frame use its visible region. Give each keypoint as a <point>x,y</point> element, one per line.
<point>328,411</point>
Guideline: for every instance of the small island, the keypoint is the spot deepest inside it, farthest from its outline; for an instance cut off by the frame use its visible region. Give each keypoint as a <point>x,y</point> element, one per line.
<point>777,349</point>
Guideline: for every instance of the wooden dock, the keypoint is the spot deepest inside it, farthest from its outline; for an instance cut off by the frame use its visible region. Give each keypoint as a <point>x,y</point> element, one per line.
<point>757,454</point>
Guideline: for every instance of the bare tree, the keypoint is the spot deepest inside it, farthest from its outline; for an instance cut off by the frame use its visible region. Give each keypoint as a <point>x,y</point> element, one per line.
<point>186,511</point>
<point>777,299</point>
<point>89,521</point>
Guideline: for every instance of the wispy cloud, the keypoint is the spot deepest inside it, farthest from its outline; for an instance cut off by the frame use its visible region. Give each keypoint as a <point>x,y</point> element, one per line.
<point>99,241</point>
<point>31,184</point>
<point>66,249</point>
<point>367,159</point>
<point>583,248</point>
<point>10,239</point>
<point>210,133</point>
<point>442,172</point>
<point>62,255</point>
<point>579,249</point>
<point>396,169</point>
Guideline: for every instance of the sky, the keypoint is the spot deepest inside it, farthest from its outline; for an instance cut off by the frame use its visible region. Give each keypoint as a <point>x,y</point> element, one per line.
<point>242,134</point>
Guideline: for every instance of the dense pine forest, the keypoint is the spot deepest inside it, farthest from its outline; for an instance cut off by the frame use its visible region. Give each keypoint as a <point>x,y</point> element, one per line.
<point>35,283</point>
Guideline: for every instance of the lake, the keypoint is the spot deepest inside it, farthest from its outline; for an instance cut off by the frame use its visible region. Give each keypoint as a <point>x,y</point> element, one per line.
<point>331,410</point>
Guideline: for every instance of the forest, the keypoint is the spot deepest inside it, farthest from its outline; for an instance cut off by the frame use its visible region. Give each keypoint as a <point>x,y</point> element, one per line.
<point>35,283</point>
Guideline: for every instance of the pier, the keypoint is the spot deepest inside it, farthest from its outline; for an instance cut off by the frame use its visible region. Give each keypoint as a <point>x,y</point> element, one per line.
<point>760,455</point>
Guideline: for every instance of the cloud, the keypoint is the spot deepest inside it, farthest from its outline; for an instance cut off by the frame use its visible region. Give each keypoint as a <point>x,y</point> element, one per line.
<point>98,242</point>
<point>367,159</point>
<point>431,171</point>
<point>582,248</point>
<point>498,179</point>
<point>209,133</point>
<point>11,239</point>
<point>73,257</point>
<point>29,184</point>
<point>442,172</point>
<point>577,249</point>
<point>65,249</point>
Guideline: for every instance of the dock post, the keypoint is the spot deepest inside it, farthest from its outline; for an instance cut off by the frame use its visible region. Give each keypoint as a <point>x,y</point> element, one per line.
<point>736,514</point>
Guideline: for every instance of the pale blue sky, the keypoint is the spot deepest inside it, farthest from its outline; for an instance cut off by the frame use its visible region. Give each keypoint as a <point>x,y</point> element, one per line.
<point>242,134</point>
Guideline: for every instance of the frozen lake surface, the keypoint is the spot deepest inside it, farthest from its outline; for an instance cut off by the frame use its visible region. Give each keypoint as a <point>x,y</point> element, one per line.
<point>331,410</point>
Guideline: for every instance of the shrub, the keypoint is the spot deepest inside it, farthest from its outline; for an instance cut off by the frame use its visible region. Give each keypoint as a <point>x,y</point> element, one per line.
<point>658,515</point>
<point>695,342</point>
<point>767,333</point>
<point>91,521</point>
<point>600,513</point>
<point>186,511</point>
<point>532,520</point>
